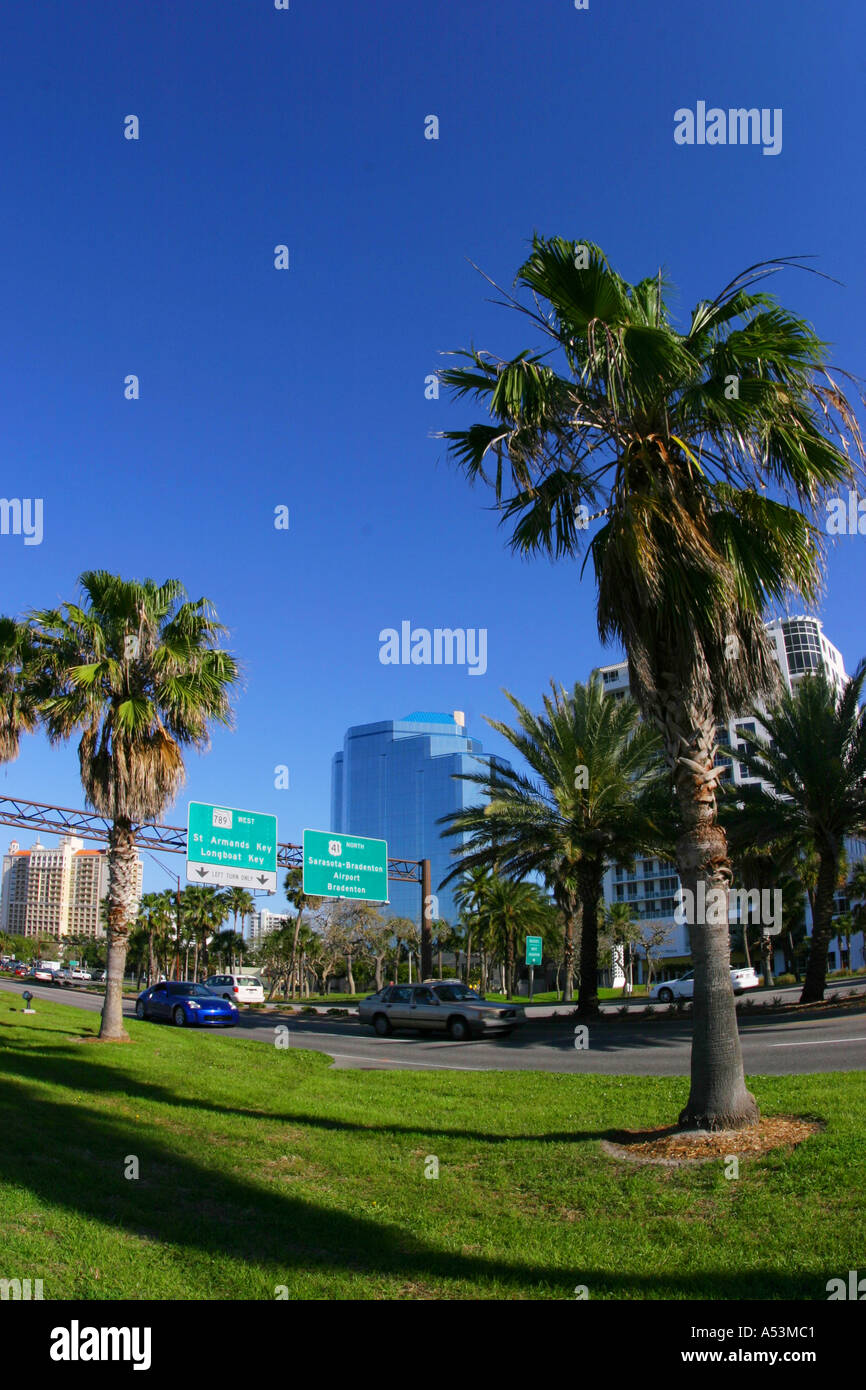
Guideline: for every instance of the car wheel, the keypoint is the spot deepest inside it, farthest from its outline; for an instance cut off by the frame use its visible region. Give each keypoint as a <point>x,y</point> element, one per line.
<point>140,1010</point>
<point>382,1025</point>
<point>178,1017</point>
<point>666,996</point>
<point>458,1029</point>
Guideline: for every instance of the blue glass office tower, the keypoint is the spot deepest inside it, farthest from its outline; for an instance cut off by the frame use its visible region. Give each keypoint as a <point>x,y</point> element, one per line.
<point>394,780</point>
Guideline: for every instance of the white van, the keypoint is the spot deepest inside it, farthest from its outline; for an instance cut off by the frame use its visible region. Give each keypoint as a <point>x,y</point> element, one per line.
<point>241,989</point>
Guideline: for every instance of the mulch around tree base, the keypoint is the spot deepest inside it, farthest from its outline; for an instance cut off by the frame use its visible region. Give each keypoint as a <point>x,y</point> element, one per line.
<point>673,1147</point>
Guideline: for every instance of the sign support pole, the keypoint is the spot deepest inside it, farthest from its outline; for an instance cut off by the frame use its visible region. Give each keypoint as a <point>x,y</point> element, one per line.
<point>426,922</point>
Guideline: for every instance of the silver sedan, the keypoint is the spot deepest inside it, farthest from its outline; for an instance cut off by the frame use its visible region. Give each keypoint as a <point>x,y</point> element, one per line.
<point>438,1006</point>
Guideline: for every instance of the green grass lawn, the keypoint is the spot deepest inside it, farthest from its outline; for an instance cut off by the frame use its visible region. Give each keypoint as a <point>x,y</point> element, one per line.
<point>262,1167</point>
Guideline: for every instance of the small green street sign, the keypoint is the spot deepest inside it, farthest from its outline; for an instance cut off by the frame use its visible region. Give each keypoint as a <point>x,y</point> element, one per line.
<point>533,950</point>
<point>228,847</point>
<point>345,866</point>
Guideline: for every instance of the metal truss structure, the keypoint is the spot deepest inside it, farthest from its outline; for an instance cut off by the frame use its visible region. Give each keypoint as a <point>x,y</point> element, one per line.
<point>170,839</point>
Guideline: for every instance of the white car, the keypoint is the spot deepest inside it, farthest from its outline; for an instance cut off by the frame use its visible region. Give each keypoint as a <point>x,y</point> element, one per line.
<point>43,973</point>
<point>684,987</point>
<point>241,989</point>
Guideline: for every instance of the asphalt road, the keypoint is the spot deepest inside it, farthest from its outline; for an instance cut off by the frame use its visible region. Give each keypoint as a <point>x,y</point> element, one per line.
<point>811,1041</point>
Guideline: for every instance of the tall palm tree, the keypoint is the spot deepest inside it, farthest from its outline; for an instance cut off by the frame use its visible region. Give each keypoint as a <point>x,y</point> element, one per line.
<point>204,911</point>
<point>470,896</point>
<point>239,903</point>
<point>591,800</point>
<point>293,885</point>
<point>156,915</point>
<point>135,669</point>
<point>666,446</point>
<point>813,760</point>
<point>623,933</point>
<point>515,909</point>
<point>17,715</point>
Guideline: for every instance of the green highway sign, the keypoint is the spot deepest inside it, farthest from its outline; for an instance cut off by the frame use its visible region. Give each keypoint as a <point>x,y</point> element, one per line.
<point>345,866</point>
<point>228,847</point>
<point>533,950</point>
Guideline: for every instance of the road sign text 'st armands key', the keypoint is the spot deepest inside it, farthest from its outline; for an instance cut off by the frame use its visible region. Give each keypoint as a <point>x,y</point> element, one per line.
<point>230,847</point>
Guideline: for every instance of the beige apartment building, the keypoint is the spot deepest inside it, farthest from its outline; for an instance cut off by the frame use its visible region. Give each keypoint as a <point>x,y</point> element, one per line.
<point>55,892</point>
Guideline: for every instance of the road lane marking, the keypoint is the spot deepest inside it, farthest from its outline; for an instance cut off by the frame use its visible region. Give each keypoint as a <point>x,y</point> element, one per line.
<point>819,1042</point>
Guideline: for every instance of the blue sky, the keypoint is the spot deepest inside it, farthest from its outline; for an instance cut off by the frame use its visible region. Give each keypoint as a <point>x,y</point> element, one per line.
<point>305,388</point>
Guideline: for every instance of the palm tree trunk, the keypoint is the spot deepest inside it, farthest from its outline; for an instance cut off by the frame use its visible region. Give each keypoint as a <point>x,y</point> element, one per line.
<point>468,955</point>
<point>509,962</point>
<point>718,1098</point>
<point>121,902</point>
<point>298,916</point>
<point>571,911</point>
<point>822,928</point>
<point>589,877</point>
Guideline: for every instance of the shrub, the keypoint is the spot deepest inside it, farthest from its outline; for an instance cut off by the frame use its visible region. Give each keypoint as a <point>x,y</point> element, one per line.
<point>786,979</point>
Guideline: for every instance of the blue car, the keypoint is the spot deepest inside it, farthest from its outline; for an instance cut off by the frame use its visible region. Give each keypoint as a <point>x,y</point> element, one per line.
<point>184,1003</point>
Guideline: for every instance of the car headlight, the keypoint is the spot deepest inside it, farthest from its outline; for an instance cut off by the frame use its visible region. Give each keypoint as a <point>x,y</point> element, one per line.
<point>192,1004</point>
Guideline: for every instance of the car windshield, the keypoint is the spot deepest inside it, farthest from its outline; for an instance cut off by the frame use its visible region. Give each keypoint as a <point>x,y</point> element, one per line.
<point>189,991</point>
<point>455,994</point>
<point>248,980</point>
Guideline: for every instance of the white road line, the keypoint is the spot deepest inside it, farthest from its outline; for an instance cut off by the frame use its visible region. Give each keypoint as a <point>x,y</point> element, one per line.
<point>819,1042</point>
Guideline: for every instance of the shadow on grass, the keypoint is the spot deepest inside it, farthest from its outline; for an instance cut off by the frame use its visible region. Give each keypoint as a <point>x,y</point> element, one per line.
<point>176,1199</point>
<point>64,1065</point>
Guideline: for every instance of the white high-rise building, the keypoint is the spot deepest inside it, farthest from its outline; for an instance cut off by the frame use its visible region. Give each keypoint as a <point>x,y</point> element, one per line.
<point>55,892</point>
<point>800,647</point>
<point>260,924</point>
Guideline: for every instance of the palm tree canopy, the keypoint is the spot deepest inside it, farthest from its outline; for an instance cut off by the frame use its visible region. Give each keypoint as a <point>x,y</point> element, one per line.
<point>513,908</point>
<point>17,715</point>
<point>814,761</point>
<point>595,774</point>
<point>674,441</point>
<point>135,667</point>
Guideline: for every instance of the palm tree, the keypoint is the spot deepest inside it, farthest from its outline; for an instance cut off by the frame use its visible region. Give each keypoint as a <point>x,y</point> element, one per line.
<point>156,918</point>
<point>239,903</point>
<point>813,761</point>
<point>623,933</point>
<point>17,715</point>
<point>597,768</point>
<point>293,885</point>
<point>135,670</point>
<point>673,442</point>
<point>514,909</point>
<point>204,911</point>
<point>856,889</point>
<point>229,946</point>
<point>470,898</point>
